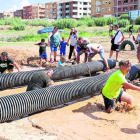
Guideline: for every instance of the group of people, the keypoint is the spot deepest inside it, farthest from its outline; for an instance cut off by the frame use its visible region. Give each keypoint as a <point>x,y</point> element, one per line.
<point>113,88</point>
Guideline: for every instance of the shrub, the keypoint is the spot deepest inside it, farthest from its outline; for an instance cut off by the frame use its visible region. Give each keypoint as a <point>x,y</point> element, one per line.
<point>19,27</point>
<point>65,23</point>
<point>110,20</point>
<point>137,20</point>
<point>123,22</point>
<point>124,16</point>
<point>135,28</point>
<point>100,21</point>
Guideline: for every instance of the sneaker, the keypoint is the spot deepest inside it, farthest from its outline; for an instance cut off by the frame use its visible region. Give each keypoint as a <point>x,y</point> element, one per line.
<point>107,70</point>
<point>46,62</point>
<point>51,60</point>
<point>108,110</point>
<point>55,60</point>
<point>117,60</point>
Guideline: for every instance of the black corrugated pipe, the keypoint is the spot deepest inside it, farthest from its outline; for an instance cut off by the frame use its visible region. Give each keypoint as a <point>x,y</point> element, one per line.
<point>18,105</point>
<point>22,78</point>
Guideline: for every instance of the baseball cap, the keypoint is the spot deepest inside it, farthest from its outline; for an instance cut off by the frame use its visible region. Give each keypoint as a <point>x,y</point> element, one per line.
<point>4,54</point>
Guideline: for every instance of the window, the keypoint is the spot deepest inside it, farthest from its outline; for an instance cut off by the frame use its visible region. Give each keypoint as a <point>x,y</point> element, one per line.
<point>131,1</point>
<point>98,3</point>
<point>80,2</point>
<point>98,9</point>
<point>119,9</point>
<point>80,14</point>
<point>92,11</point>
<point>109,2</point>
<point>108,8</point>
<point>125,2</point>
<point>106,1</point>
<point>80,8</point>
<point>125,9</point>
<point>103,2</point>
<point>93,3</point>
<point>131,8</point>
<point>89,8</point>
<point>119,2</point>
<point>103,9</point>
<point>89,3</point>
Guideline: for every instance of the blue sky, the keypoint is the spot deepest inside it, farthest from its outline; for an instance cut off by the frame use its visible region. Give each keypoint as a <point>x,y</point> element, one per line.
<point>11,5</point>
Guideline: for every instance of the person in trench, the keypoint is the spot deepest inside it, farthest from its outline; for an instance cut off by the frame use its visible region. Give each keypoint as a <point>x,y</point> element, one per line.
<point>41,80</point>
<point>7,63</point>
<point>112,90</point>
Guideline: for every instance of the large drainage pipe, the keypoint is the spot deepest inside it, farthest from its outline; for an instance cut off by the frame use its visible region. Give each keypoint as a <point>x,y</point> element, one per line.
<point>18,105</point>
<point>22,78</point>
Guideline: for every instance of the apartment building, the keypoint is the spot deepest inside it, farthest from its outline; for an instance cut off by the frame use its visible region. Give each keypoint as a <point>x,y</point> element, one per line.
<point>38,11</point>
<point>27,12</point>
<point>6,14</point>
<point>51,10</point>
<point>18,13</point>
<point>73,9</point>
<point>102,8</point>
<point>124,6</point>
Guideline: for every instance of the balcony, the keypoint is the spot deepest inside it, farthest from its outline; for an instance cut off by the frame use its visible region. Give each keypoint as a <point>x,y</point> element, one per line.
<point>54,7</point>
<point>54,12</point>
<point>74,10</point>
<point>135,2</point>
<point>60,12</point>
<point>60,7</point>
<point>67,16</point>
<point>86,6</point>
<point>75,16</point>
<point>67,6</point>
<point>75,5</point>
<point>67,11</point>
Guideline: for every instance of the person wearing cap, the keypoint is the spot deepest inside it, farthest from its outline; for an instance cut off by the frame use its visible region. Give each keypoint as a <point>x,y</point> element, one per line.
<point>113,87</point>
<point>93,49</point>
<point>40,80</point>
<point>116,41</point>
<point>84,41</point>
<point>7,63</point>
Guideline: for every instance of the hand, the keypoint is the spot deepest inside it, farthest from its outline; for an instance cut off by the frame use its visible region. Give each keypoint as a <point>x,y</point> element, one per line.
<point>67,44</point>
<point>19,70</point>
<point>49,45</point>
<point>119,42</point>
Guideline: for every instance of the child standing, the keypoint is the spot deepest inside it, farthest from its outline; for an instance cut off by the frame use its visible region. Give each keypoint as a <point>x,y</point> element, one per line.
<point>42,51</point>
<point>63,47</point>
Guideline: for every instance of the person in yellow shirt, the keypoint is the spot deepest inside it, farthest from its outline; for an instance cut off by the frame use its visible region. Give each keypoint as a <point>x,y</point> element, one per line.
<point>113,88</point>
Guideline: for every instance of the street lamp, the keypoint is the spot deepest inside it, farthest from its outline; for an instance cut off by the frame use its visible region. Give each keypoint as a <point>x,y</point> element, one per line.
<point>117,12</point>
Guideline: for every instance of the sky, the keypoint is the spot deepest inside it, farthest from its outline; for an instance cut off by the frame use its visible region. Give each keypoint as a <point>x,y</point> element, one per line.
<point>12,5</point>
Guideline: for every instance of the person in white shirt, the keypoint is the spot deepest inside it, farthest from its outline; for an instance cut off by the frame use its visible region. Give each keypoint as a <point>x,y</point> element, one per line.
<point>93,49</point>
<point>117,39</point>
<point>73,36</point>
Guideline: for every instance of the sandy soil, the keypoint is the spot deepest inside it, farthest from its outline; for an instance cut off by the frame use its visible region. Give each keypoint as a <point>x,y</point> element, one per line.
<point>83,120</point>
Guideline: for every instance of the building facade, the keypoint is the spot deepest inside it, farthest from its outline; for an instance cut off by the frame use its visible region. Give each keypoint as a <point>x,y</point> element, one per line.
<point>18,13</point>
<point>38,11</point>
<point>124,6</point>
<point>6,14</point>
<point>51,10</point>
<point>27,12</point>
<point>73,9</point>
<point>102,8</point>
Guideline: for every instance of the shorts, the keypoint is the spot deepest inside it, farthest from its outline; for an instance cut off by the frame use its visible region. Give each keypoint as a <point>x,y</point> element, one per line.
<point>43,56</point>
<point>109,103</point>
<point>78,49</point>
<point>101,53</point>
<point>114,47</point>
<point>53,48</point>
<point>63,52</point>
<point>10,67</point>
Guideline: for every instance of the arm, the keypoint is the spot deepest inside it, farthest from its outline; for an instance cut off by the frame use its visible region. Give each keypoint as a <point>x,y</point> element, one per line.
<point>60,45</point>
<point>36,44</point>
<point>130,86</point>
<point>68,41</point>
<point>17,66</point>
<point>50,34</point>
<point>121,40</point>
